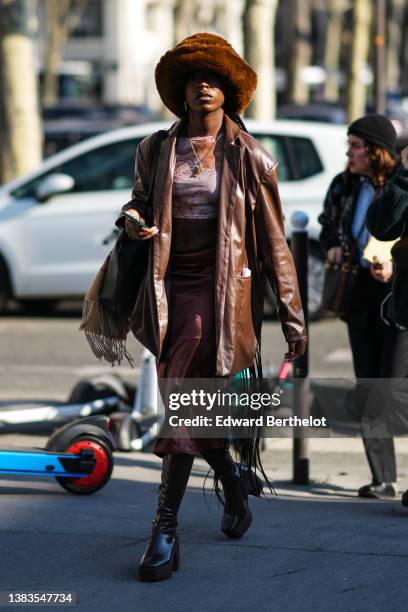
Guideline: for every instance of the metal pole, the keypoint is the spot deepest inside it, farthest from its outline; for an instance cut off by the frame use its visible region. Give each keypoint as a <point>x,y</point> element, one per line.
<point>380,94</point>
<point>300,250</point>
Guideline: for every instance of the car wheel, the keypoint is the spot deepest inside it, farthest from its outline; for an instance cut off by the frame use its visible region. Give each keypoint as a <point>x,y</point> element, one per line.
<point>315,285</point>
<point>5,292</point>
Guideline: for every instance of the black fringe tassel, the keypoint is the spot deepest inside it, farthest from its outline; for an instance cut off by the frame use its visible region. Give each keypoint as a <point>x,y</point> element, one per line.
<point>247,450</point>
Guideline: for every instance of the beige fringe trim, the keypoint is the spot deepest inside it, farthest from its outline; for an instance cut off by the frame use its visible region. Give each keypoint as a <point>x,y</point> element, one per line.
<point>105,333</point>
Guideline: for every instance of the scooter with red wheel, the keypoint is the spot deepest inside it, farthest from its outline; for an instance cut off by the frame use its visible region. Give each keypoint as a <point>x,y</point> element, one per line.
<point>79,456</point>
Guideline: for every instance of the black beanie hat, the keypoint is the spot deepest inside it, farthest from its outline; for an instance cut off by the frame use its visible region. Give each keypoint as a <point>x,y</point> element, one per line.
<point>376,130</point>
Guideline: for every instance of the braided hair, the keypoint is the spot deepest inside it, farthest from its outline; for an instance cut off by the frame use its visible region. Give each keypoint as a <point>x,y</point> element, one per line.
<point>235,117</point>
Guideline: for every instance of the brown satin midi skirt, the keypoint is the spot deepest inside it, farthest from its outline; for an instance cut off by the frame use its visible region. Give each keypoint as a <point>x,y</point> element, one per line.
<point>189,347</point>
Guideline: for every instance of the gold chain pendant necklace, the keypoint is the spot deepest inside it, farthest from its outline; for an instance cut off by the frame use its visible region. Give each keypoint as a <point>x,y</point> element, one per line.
<point>198,168</point>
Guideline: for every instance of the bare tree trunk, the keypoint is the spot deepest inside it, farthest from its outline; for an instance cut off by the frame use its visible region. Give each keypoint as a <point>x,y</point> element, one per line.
<point>379,57</point>
<point>228,21</point>
<point>333,48</point>
<point>356,91</point>
<point>301,52</point>
<point>20,127</point>
<point>62,16</point>
<point>394,43</point>
<point>54,43</point>
<point>404,52</point>
<point>259,44</point>
<point>184,12</point>
<point>205,15</point>
<point>162,13</point>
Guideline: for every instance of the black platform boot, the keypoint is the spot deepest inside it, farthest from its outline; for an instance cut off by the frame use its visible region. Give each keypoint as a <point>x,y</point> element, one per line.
<point>162,554</point>
<point>237,485</point>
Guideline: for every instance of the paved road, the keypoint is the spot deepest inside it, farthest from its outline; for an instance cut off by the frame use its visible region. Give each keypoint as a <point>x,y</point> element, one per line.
<point>310,548</point>
<point>316,548</point>
<point>42,358</point>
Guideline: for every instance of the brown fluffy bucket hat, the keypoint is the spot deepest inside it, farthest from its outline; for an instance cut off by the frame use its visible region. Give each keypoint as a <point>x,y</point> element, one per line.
<point>204,51</point>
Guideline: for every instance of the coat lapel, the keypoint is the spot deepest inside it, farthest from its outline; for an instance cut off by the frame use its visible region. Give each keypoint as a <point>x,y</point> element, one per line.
<point>162,199</point>
<point>227,197</point>
<point>162,217</point>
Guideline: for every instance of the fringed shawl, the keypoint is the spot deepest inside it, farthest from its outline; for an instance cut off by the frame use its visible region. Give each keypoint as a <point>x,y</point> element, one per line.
<point>105,330</point>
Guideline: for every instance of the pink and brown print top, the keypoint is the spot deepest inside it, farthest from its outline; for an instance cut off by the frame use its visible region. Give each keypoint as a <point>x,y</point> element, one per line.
<point>196,184</point>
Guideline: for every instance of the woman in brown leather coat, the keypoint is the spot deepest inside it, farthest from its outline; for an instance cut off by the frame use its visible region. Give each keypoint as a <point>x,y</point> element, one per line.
<point>215,224</point>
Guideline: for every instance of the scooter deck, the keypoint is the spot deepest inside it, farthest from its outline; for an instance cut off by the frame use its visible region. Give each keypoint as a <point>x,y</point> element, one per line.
<point>46,463</point>
<point>26,414</point>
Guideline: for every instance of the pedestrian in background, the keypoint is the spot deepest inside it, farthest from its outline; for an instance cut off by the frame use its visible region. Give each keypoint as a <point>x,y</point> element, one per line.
<point>378,351</point>
<point>216,224</point>
<point>387,219</point>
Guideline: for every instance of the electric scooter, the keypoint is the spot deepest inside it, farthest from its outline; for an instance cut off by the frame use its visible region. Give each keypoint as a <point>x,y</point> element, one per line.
<point>102,394</point>
<point>136,429</point>
<point>79,457</point>
<point>132,411</point>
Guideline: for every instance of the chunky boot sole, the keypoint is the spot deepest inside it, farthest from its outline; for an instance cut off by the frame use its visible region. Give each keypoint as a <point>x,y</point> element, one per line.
<point>243,526</point>
<point>150,573</point>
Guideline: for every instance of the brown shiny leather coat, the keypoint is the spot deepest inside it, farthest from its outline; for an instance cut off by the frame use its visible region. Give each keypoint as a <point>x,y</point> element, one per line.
<point>250,234</point>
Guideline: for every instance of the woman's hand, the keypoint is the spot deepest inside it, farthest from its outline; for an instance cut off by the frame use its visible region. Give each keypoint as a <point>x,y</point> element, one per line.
<point>139,233</point>
<point>381,270</point>
<point>335,255</point>
<point>404,157</point>
<point>296,349</point>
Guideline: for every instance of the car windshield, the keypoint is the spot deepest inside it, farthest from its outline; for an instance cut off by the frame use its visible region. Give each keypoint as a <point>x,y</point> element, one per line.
<point>106,168</point>
<point>276,147</point>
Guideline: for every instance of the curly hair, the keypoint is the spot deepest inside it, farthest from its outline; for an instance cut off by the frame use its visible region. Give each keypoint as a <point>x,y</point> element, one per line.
<point>382,163</point>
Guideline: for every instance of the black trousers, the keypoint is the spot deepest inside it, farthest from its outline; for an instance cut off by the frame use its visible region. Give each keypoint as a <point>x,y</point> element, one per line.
<point>379,351</point>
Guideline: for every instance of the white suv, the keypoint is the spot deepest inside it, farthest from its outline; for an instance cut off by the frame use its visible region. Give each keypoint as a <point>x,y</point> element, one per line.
<point>54,222</point>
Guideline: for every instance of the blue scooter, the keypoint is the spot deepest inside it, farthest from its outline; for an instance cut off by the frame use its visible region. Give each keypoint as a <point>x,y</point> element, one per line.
<point>79,456</point>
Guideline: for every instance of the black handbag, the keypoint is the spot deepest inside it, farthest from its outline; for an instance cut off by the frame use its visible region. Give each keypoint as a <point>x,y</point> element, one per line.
<point>128,259</point>
<point>339,287</point>
<point>340,283</point>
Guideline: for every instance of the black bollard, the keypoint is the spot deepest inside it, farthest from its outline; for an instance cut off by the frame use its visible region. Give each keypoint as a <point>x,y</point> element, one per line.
<point>300,251</point>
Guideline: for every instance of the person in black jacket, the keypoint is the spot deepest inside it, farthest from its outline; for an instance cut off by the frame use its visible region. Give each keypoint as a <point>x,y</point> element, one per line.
<point>387,219</point>
<point>378,351</point>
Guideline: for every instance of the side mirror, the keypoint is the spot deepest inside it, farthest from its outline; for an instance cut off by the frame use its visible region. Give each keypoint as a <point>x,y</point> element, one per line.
<point>52,185</point>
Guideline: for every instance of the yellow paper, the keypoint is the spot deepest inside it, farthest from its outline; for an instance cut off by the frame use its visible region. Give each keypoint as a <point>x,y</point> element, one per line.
<point>378,250</point>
